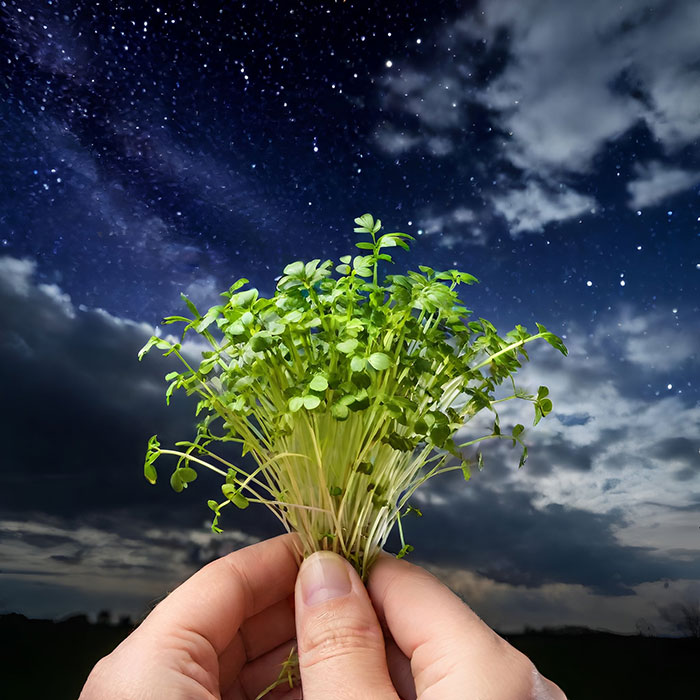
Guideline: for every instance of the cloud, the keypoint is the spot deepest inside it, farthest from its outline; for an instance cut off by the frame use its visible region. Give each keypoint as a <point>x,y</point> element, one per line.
<point>433,102</point>
<point>80,407</point>
<point>606,463</point>
<point>658,341</point>
<point>531,208</point>
<point>80,529</point>
<point>598,509</point>
<point>395,142</point>
<point>510,608</point>
<point>657,182</point>
<point>565,95</point>
<point>557,99</point>
<point>461,225</point>
<point>98,563</point>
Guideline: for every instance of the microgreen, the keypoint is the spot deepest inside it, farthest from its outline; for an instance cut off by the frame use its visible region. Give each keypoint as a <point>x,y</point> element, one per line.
<point>348,394</point>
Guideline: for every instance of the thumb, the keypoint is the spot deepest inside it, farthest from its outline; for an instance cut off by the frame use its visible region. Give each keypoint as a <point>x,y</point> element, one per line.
<point>339,639</point>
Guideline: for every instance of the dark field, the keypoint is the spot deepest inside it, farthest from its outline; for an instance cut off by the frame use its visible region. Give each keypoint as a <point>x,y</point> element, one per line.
<point>43,659</point>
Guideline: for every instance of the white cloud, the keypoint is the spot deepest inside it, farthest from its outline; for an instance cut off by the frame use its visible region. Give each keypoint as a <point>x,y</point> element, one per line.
<point>509,608</point>
<point>439,146</point>
<point>102,563</point>
<point>565,94</point>
<point>600,430</point>
<point>656,182</point>
<point>658,341</point>
<point>434,101</point>
<point>454,227</point>
<point>16,275</point>
<point>644,443</point>
<point>576,78</point>
<point>395,142</point>
<point>534,206</point>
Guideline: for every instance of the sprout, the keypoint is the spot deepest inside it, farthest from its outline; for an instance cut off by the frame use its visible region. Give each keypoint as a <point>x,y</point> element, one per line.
<point>346,393</point>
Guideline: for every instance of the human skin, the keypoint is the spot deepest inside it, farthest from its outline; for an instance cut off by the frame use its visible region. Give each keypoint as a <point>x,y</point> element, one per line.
<point>224,633</point>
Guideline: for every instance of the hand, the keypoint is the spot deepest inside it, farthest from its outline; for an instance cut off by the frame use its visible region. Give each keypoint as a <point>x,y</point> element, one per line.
<point>436,648</point>
<point>224,633</point>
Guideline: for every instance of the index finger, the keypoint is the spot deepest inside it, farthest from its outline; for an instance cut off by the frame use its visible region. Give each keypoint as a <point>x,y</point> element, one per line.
<point>417,608</point>
<point>219,597</point>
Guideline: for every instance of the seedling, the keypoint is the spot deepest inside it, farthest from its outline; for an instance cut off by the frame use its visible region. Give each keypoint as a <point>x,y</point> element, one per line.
<point>346,393</point>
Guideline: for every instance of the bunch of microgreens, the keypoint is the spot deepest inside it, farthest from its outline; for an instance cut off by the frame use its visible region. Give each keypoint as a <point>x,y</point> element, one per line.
<point>347,393</point>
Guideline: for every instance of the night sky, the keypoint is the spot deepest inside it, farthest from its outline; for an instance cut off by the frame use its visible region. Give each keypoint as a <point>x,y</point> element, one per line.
<point>552,149</point>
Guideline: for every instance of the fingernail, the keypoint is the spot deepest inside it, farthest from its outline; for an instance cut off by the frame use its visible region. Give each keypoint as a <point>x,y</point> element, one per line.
<point>324,576</point>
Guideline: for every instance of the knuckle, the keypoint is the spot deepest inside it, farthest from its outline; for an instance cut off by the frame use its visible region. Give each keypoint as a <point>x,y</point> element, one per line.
<point>526,683</point>
<point>325,640</point>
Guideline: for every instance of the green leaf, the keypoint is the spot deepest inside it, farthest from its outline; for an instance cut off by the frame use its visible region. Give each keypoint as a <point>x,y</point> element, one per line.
<point>187,474</point>
<point>149,471</point>
<point>365,467</point>
<point>152,454</point>
<point>466,471</point>
<point>176,482</point>
<point>399,442</point>
<point>365,245</point>
<point>295,269</point>
<point>361,380</point>
<point>347,346</point>
<point>318,383</point>
<point>311,401</point>
<point>379,360</point>
<point>357,363</point>
<point>310,267</point>
<point>517,430</point>
<point>261,342</point>
<point>160,343</point>
<point>234,495</point>
<point>191,306</point>
<point>406,549</point>
<point>340,411</point>
<point>365,222</point>
<point>523,457</point>
<point>360,402</point>
<point>440,433</point>
<point>295,403</point>
<point>335,491</point>
<point>245,298</point>
<point>236,285</point>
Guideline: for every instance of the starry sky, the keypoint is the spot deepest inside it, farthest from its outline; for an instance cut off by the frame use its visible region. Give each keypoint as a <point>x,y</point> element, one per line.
<point>552,149</point>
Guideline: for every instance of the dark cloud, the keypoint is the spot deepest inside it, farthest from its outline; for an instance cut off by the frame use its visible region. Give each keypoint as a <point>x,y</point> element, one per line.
<point>556,455</point>
<point>680,450</point>
<point>506,537</point>
<point>610,484</point>
<point>81,411</point>
<point>82,408</point>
